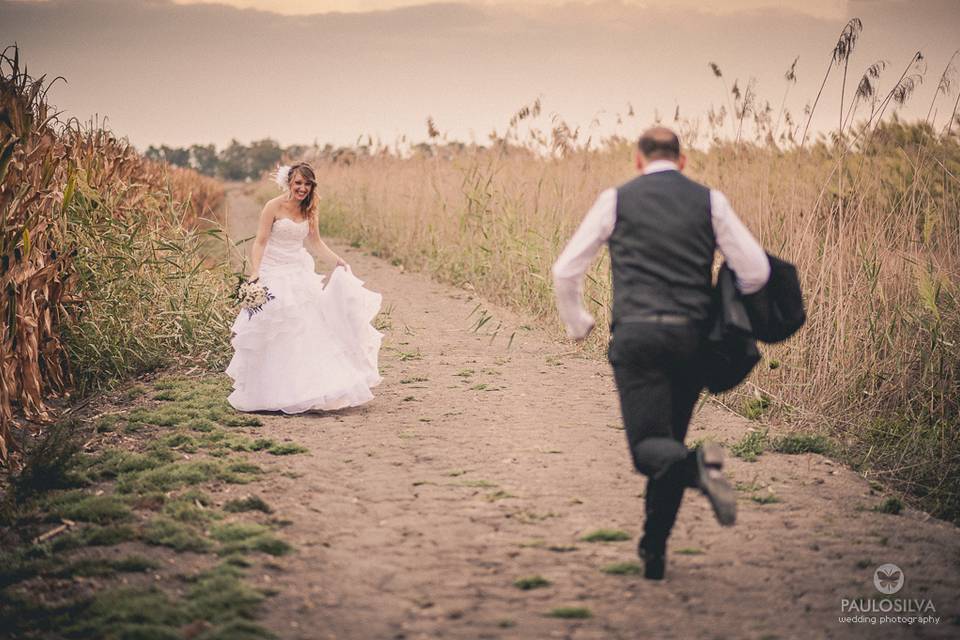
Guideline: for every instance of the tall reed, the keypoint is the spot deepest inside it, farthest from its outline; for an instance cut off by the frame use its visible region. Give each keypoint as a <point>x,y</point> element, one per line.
<point>878,365</point>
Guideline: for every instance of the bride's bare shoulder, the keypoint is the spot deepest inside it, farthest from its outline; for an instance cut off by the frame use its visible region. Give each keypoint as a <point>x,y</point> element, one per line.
<point>271,208</point>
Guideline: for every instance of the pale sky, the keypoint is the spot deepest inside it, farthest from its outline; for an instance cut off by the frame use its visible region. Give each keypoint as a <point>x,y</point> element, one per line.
<point>197,73</point>
<point>819,8</point>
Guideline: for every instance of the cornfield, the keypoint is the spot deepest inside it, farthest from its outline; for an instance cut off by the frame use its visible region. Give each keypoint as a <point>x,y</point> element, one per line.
<point>101,270</point>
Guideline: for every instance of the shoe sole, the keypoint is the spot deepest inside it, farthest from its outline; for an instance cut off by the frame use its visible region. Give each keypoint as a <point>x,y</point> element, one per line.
<point>722,497</point>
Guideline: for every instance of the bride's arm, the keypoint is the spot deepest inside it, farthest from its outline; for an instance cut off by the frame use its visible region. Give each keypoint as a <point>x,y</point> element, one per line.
<point>260,242</point>
<point>316,246</point>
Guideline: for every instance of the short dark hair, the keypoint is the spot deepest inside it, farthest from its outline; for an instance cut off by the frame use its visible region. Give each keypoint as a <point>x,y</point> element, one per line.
<point>659,143</point>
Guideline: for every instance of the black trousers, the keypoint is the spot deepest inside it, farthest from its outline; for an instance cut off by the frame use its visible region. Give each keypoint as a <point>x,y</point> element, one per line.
<point>656,371</point>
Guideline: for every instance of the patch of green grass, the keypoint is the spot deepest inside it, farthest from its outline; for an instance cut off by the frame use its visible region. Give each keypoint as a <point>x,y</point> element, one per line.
<point>750,446</point>
<point>163,416</point>
<point>754,408</point>
<point>250,503</point>
<point>891,505</point>
<point>146,614</point>
<point>239,630</point>
<point>170,476</point>
<point>622,569</point>
<point>85,507</point>
<point>134,392</point>
<point>50,462</point>
<point>287,449</point>
<point>561,548</point>
<point>606,535</point>
<point>90,567</point>
<point>192,508</point>
<point>243,468</point>
<point>801,443</point>
<point>531,582</point>
<point>235,442</point>
<point>465,373</point>
<point>237,531</point>
<point>106,424</point>
<point>195,404</point>
<point>204,425</point>
<point>167,532</point>
<point>689,551</point>
<point>134,564</point>
<point>571,613</point>
<point>196,409</point>
<point>94,536</point>
<point>181,441</point>
<point>413,380</point>
<point>17,565</point>
<point>247,536</point>
<point>220,595</point>
<point>240,420</point>
<point>499,495</point>
<point>114,462</point>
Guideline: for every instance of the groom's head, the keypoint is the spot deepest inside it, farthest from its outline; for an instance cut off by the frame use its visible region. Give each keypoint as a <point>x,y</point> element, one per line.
<point>659,143</point>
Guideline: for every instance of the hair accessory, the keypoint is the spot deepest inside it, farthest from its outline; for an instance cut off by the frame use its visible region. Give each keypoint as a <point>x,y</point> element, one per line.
<point>282,176</point>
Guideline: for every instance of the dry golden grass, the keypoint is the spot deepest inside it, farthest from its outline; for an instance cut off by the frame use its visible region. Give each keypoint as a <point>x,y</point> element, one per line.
<point>876,367</point>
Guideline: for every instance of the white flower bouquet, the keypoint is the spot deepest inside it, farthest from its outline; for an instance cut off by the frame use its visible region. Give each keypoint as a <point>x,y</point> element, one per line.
<point>251,296</point>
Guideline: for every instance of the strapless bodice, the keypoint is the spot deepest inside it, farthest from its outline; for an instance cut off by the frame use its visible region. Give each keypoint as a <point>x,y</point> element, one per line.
<point>285,244</point>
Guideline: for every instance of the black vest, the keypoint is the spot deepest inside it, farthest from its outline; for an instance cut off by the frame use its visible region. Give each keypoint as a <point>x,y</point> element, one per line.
<point>661,248</point>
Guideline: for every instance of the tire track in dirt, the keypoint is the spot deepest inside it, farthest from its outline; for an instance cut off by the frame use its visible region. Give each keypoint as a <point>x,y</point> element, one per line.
<point>480,462</point>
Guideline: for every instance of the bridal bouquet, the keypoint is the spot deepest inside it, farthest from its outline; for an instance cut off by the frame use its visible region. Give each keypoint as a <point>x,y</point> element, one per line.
<point>251,296</point>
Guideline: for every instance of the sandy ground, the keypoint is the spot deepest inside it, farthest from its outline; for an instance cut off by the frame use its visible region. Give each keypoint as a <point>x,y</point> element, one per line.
<point>483,461</point>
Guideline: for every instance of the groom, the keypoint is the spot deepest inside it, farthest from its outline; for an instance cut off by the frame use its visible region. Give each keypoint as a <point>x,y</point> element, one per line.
<point>662,229</point>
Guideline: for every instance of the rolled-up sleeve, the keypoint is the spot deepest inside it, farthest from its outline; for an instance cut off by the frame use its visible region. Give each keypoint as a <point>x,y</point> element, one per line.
<point>740,249</point>
<point>573,263</point>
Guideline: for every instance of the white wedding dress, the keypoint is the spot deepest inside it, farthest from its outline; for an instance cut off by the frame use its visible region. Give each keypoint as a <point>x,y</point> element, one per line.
<point>311,347</point>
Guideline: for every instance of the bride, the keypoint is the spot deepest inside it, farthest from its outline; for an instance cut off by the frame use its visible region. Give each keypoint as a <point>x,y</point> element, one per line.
<point>311,346</point>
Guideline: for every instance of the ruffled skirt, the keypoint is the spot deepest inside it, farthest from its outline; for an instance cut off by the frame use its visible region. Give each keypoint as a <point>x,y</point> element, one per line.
<point>310,348</point>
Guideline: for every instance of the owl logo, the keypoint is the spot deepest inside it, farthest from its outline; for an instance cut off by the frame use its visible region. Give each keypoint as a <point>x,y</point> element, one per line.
<point>888,579</point>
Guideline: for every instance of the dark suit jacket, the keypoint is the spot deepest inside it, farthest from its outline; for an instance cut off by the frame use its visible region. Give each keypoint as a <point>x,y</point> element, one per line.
<point>772,314</point>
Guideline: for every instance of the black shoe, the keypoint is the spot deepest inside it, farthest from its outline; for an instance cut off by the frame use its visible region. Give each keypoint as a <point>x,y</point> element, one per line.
<point>710,478</point>
<point>654,564</point>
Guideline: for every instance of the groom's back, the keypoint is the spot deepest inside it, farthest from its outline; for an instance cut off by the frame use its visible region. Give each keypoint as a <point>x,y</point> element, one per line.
<point>662,247</point>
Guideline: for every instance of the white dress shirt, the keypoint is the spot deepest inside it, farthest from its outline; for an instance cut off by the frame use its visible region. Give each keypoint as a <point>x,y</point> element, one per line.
<point>743,253</point>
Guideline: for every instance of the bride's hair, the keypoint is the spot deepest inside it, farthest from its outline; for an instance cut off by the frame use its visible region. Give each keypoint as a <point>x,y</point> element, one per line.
<point>309,205</point>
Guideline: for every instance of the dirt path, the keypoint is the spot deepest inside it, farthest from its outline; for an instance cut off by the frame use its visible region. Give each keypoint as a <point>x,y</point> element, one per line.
<point>481,462</point>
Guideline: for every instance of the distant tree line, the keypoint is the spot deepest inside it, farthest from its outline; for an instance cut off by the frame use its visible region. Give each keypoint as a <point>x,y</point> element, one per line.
<point>235,162</point>
<point>239,161</point>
